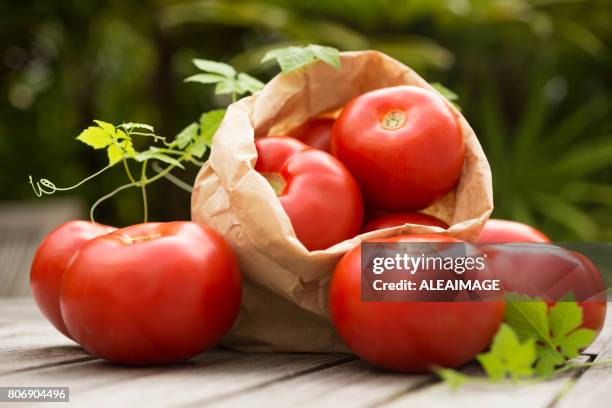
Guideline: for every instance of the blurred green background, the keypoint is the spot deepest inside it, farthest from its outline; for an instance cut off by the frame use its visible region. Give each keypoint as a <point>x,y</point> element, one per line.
<point>533,77</point>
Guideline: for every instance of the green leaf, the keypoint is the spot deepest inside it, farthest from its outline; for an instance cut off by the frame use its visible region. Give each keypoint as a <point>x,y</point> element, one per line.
<point>329,55</point>
<point>198,148</point>
<point>292,58</point>
<point>209,123</point>
<point>225,76</point>
<point>445,92</point>
<point>155,154</point>
<point>452,378</point>
<point>129,126</point>
<point>226,87</point>
<point>215,67</point>
<point>509,357</point>
<point>548,360</point>
<point>206,78</point>
<point>106,126</point>
<point>248,83</point>
<point>564,317</point>
<point>528,317</point>
<point>492,365</point>
<point>118,150</point>
<point>95,137</point>
<point>186,136</point>
<point>576,341</point>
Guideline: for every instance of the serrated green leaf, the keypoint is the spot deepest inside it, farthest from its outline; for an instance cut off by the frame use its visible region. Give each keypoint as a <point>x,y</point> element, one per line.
<point>529,319</point>
<point>215,67</point>
<point>572,344</point>
<point>248,83</point>
<point>106,126</point>
<point>115,154</point>
<point>155,154</point>
<point>564,317</point>
<point>292,58</point>
<point>508,357</point>
<point>226,87</point>
<point>118,150</point>
<point>131,126</point>
<point>209,123</point>
<point>186,136</point>
<point>445,92</point>
<point>206,78</point>
<point>448,94</point>
<point>492,365</point>
<point>329,55</point>
<point>548,360</point>
<point>521,362</point>
<point>120,135</point>
<point>452,378</point>
<point>95,137</point>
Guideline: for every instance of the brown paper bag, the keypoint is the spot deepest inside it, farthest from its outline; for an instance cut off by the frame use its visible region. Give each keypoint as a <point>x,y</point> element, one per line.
<point>284,305</point>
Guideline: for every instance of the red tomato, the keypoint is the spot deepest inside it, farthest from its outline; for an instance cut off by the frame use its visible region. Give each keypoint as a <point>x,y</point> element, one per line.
<point>51,260</point>
<point>315,133</point>
<point>151,293</point>
<point>397,219</point>
<point>544,270</point>
<point>403,144</point>
<point>503,231</point>
<point>318,194</point>
<point>408,336</point>
<point>551,273</point>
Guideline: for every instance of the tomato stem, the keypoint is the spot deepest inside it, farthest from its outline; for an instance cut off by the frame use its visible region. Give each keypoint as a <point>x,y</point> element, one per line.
<point>143,187</point>
<point>277,182</point>
<point>394,119</point>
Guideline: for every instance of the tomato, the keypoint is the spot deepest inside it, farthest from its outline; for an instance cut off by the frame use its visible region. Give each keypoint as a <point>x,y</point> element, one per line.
<point>408,336</point>
<point>51,260</point>
<point>318,193</point>
<point>544,271</point>
<point>315,133</point>
<point>397,219</point>
<point>403,144</point>
<point>550,272</point>
<point>151,293</point>
<point>503,231</point>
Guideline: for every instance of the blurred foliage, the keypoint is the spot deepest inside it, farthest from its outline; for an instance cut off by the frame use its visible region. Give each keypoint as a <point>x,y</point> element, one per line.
<point>533,78</point>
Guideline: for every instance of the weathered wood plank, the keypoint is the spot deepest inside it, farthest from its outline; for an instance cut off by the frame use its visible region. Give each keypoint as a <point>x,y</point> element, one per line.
<point>355,384</point>
<point>594,388</point>
<point>211,375</point>
<point>17,309</point>
<point>33,353</point>
<point>23,225</point>
<point>440,395</point>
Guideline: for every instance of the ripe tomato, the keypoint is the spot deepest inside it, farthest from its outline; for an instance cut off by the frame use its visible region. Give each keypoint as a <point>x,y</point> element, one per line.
<point>314,188</point>
<point>151,293</point>
<point>544,271</point>
<point>397,219</point>
<point>403,144</point>
<point>408,336</point>
<point>503,231</point>
<point>51,260</point>
<point>315,133</point>
<point>550,272</point>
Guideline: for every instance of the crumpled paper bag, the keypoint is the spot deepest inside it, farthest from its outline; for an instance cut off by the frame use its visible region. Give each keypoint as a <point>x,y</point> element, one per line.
<point>284,305</point>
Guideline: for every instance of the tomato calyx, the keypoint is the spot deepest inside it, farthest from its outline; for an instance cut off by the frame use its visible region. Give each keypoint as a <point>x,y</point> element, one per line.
<point>277,181</point>
<point>142,238</point>
<point>394,119</point>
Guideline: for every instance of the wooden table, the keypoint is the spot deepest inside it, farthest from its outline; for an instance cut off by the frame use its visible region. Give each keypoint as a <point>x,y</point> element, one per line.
<point>32,353</point>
